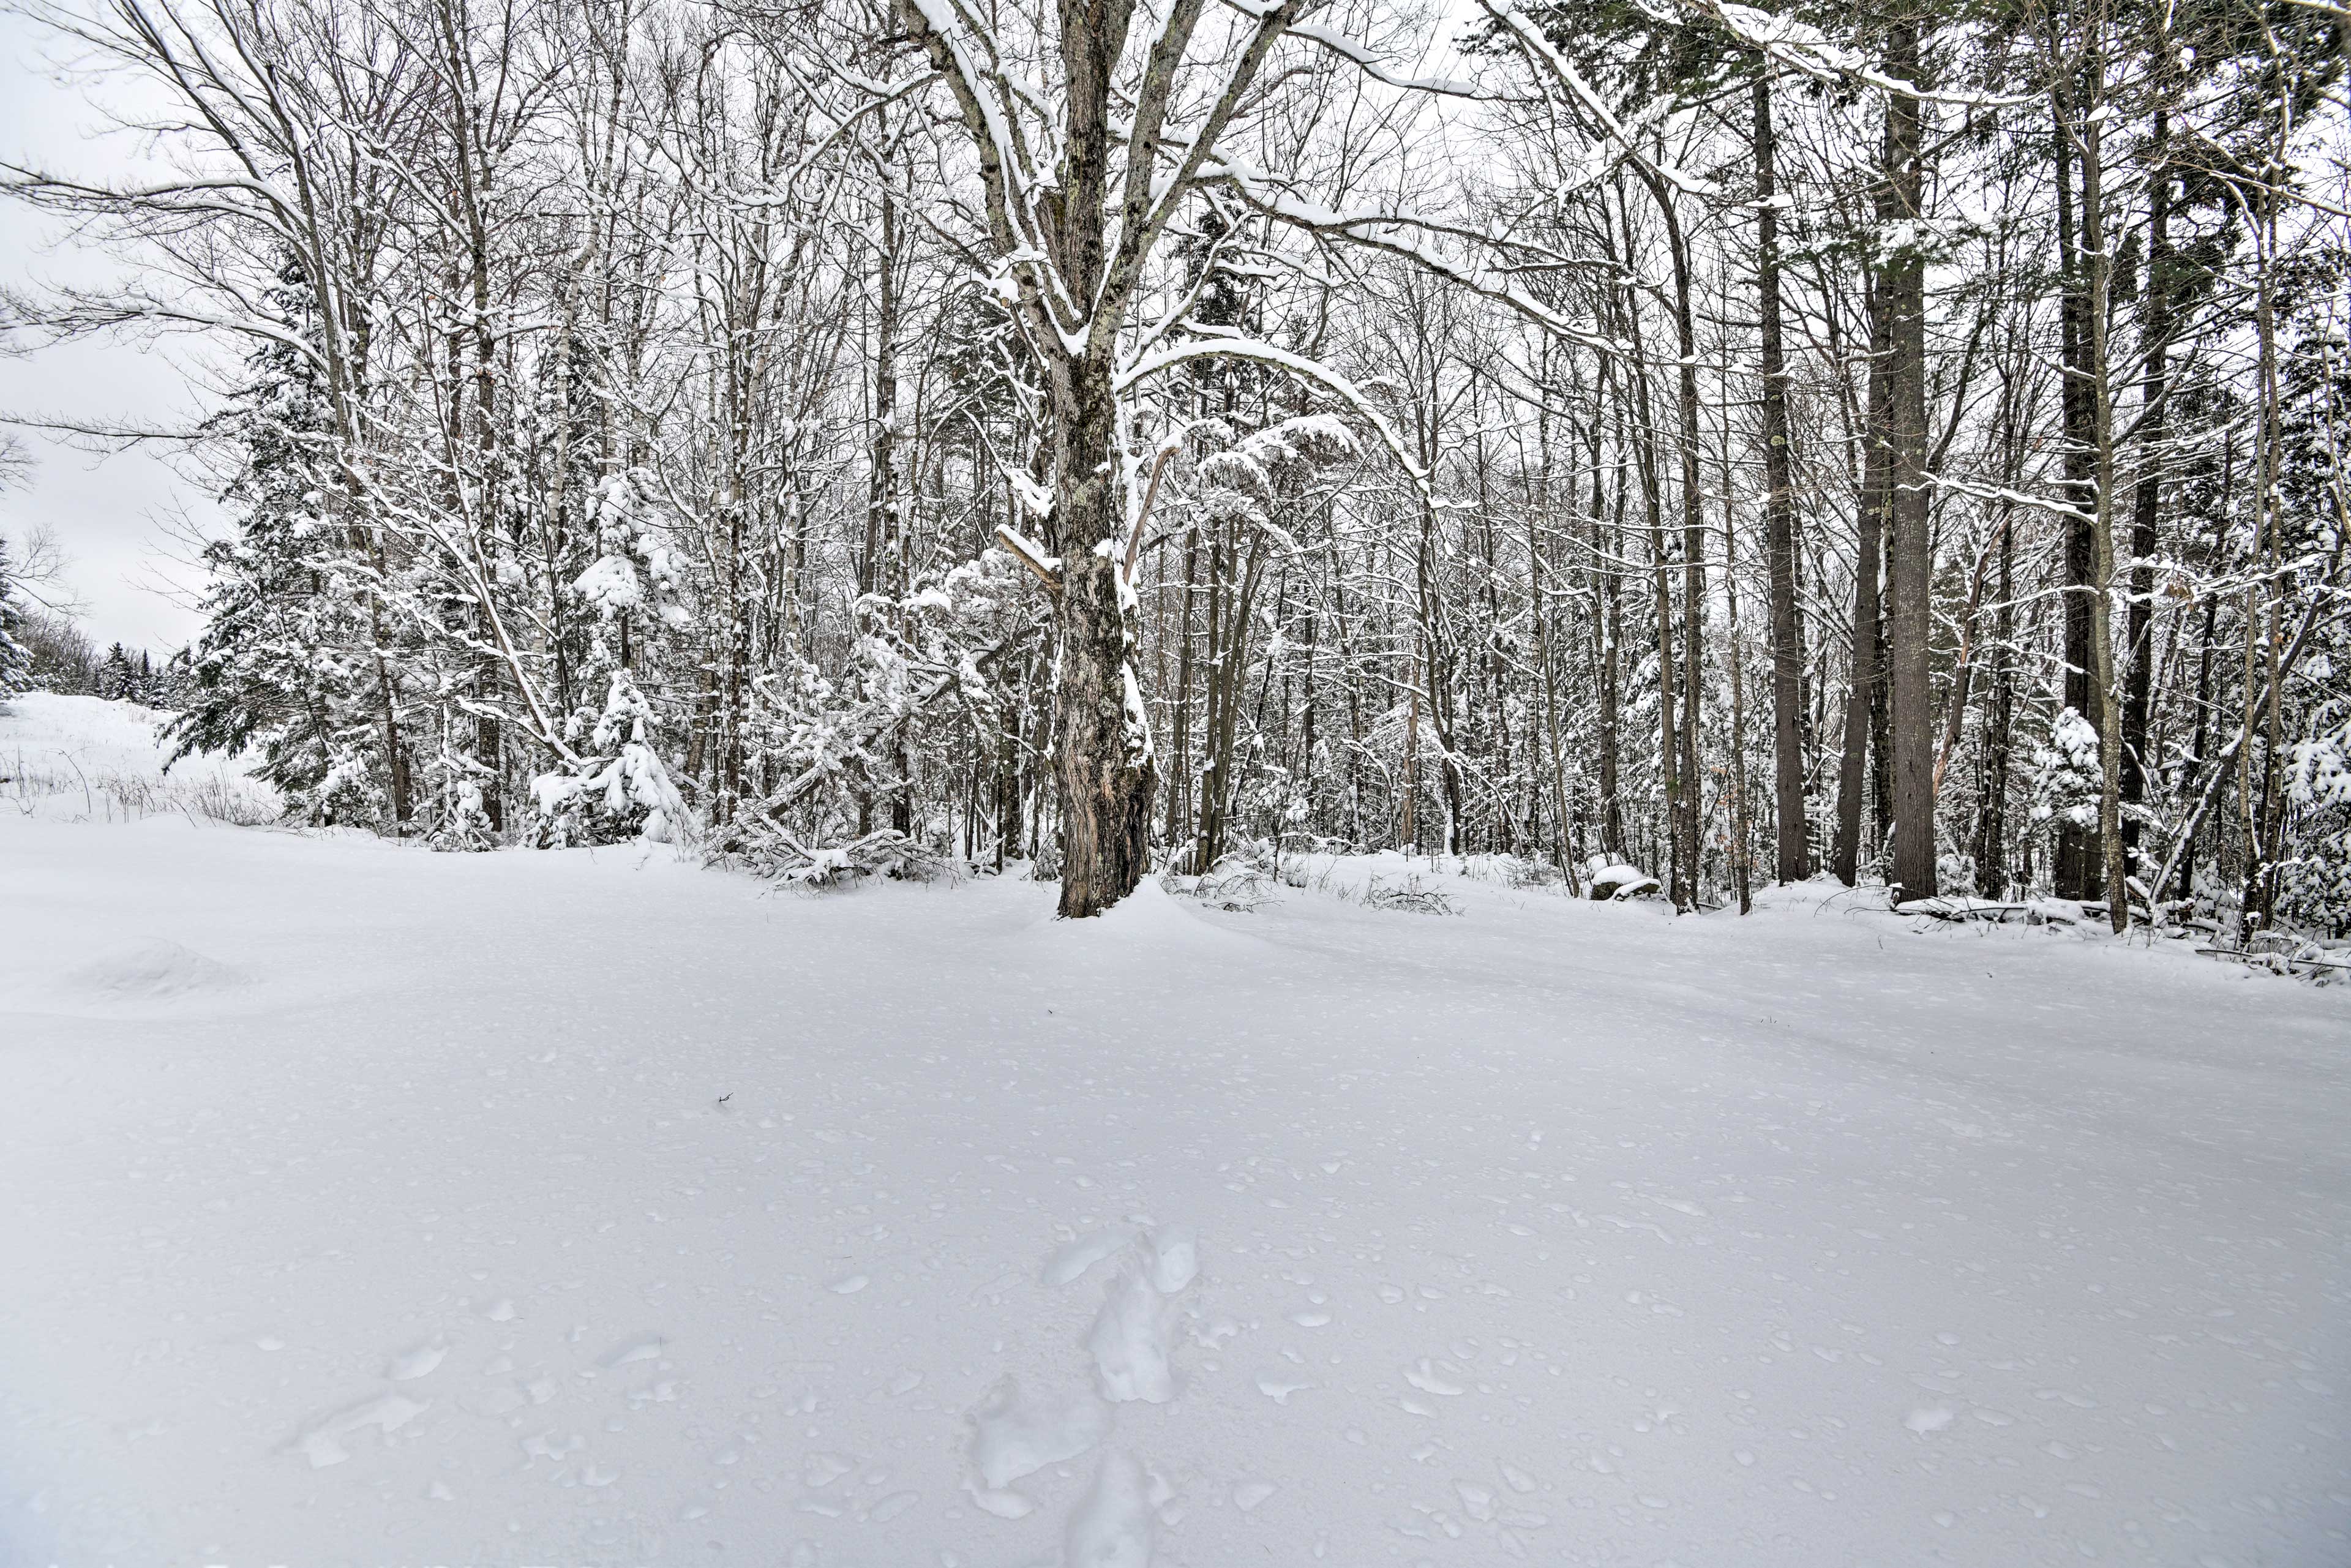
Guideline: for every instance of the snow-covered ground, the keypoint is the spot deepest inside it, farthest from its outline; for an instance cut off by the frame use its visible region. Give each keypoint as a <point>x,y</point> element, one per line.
<point>360,1205</point>
<point>81,759</point>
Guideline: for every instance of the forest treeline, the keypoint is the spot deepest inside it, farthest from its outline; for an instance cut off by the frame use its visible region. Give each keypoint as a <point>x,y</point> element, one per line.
<point>1890,440</point>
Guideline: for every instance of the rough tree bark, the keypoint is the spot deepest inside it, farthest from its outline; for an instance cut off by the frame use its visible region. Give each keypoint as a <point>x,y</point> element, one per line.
<point>2073,871</point>
<point>1075,240</point>
<point>1910,575</point>
<point>2102,539</point>
<point>1794,859</point>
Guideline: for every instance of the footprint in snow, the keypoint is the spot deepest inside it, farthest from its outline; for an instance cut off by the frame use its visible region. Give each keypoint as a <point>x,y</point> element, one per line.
<point>1130,1340</point>
<point>1070,1261</point>
<point>1129,1343</point>
<point>322,1442</point>
<point>1014,1435</point>
<point>1113,1525</point>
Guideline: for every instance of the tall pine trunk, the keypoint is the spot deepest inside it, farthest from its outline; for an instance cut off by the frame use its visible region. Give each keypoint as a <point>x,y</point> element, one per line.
<point>2114,872</point>
<point>1794,858</point>
<point>1910,574</point>
<point>2073,869</point>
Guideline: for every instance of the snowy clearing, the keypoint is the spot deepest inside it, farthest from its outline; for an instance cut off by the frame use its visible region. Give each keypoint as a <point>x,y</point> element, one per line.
<point>369,1205</point>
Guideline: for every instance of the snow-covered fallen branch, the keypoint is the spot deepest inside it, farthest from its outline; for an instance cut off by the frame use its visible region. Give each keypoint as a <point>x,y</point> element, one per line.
<point>766,851</point>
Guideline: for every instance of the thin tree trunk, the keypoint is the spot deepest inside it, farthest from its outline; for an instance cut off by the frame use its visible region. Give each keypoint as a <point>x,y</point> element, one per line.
<point>2153,403</point>
<point>1869,524</point>
<point>1992,835</point>
<point>2102,647</point>
<point>1609,623</point>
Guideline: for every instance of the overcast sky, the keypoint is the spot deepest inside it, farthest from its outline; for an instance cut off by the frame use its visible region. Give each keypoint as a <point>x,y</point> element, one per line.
<point>108,513</point>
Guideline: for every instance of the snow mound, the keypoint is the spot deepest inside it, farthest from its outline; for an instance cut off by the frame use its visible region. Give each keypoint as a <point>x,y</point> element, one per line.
<point>154,970</point>
<point>1147,923</point>
<point>1621,882</point>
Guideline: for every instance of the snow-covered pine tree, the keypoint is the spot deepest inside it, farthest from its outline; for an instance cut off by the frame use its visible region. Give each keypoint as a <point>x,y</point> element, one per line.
<point>619,789</point>
<point>280,662</point>
<point>15,661</point>
<point>624,793</point>
<point>116,675</point>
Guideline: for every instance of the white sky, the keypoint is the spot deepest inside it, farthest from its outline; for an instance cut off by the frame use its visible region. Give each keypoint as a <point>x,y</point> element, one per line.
<point>106,512</point>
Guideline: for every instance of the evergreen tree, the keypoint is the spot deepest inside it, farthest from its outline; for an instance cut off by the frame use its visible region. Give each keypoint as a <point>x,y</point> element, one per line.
<point>117,675</point>
<point>15,661</point>
<point>278,666</point>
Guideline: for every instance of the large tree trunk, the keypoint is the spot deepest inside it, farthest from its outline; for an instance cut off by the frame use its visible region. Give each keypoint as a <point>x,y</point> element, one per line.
<point>1103,760</point>
<point>1794,860</point>
<point>1910,576</point>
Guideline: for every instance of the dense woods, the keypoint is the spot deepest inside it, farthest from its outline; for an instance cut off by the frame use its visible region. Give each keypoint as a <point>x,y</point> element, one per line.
<point>1889,441</point>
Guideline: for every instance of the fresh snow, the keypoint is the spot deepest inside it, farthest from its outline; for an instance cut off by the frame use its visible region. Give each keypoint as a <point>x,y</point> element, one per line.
<point>369,1205</point>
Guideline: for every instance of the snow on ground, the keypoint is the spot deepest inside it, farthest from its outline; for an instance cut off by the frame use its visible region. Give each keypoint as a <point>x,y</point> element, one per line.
<point>360,1205</point>
<point>85,760</point>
